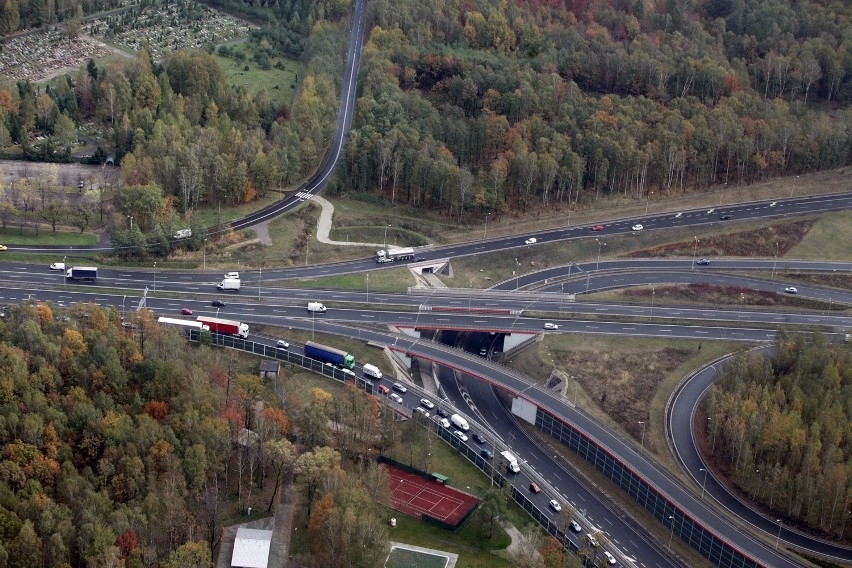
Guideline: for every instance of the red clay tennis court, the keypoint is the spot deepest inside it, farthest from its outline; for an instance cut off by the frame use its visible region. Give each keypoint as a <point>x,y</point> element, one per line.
<point>416,497</point>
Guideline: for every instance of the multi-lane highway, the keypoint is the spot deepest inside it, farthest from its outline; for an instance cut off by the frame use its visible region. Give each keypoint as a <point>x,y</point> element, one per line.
<point>297,317</point>
<point>286,307</point>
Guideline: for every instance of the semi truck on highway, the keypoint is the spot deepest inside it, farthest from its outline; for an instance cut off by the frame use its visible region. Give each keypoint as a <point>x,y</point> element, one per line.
<point>511,461</point>
<point>225,326</point>
<point>184,324</point>
<point>230,284</point>
<point>328,354</point>
<point>389,255</point>
<point>82,273</point>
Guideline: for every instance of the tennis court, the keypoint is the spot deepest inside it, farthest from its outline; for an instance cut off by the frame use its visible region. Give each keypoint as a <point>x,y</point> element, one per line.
<point>419,497</point>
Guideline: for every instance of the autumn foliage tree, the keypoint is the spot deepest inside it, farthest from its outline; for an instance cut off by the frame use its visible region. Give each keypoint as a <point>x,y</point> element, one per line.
<point>778,426</point>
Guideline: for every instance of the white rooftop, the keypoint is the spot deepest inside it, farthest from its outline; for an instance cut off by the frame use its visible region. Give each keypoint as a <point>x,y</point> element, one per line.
<point>251,548</point>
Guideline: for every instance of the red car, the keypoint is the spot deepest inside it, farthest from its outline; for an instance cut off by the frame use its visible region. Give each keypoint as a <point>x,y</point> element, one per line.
<point>597,228</point>
<point>186,311</point>
<point>383,389</point>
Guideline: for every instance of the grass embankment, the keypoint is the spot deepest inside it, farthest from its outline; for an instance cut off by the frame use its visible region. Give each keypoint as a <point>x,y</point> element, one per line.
<point>279,80</point>
<point>621,382</point>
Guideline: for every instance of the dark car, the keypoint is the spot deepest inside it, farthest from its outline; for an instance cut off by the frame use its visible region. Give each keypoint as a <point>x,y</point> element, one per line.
<point>726,217</point>
<point>702,262</point>
<point>218,303</point>
<point>442,413</point>
<point>478,438</point>
<point>486,453</point>
<point>418,259</point>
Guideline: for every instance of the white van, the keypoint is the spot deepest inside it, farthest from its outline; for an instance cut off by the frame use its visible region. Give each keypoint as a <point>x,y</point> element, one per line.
<point>460,422</point>
<point>316,307</point>
<point>372,371</point>
<point>232,276</point>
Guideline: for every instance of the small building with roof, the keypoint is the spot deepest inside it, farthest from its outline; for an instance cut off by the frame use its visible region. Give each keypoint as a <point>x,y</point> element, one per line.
<point>251,548</point>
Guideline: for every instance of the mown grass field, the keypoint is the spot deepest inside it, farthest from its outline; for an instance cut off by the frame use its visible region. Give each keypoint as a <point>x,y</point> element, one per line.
<point>45,236</point>
<point>279,83</point>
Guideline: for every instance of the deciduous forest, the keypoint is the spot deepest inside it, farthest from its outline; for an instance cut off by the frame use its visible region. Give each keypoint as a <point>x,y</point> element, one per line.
<point>482,105</point>
<point>126,445</point>
<point>779,425</point>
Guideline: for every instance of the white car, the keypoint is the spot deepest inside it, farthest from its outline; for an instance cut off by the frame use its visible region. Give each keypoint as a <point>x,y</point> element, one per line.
<point>791,290</point>
<point>460,435</point>
<point>530,241</point>
<point>57,266</point>
<point>422,411</point>
<point>396,398</point>
<point>349,372</point>
<point>610,559</point>
<point>773,204</point>
<point>281,344</point>
<point>637,227</point>
<point>554,504</point>
<point>549,325</point>
<point>575,526</point>
<point>427,403</point>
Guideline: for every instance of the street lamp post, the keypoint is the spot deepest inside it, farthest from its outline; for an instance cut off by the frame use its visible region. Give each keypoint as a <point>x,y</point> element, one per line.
<point>386,237</point>
<point>122,306</point>
<point>131,222</point>
<point>517,274</point>
<point>775,262</point>
<point>598,264</point>
<point>642,440</point>
<point>653,295</point>
<point>671,534</point>
<point>778,537</point>
<point>694,251</point>
<point>486,224</point>
<point>703,483</point>
<point>155,276</point>
<point>64,272</point>
<point>648,201</point>
<point>368,287</point>
<point>259,280</point>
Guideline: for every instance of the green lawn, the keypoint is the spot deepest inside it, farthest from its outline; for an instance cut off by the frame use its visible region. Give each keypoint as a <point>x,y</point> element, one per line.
<point>466,543</point>
<point>388,280</point>
<point>14,236</point>
<point>407,558</point>
<point>279,83</point>
<point>828,239</point>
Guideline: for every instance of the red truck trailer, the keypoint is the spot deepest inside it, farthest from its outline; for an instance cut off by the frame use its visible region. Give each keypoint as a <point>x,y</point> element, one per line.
<point>225,326</point>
